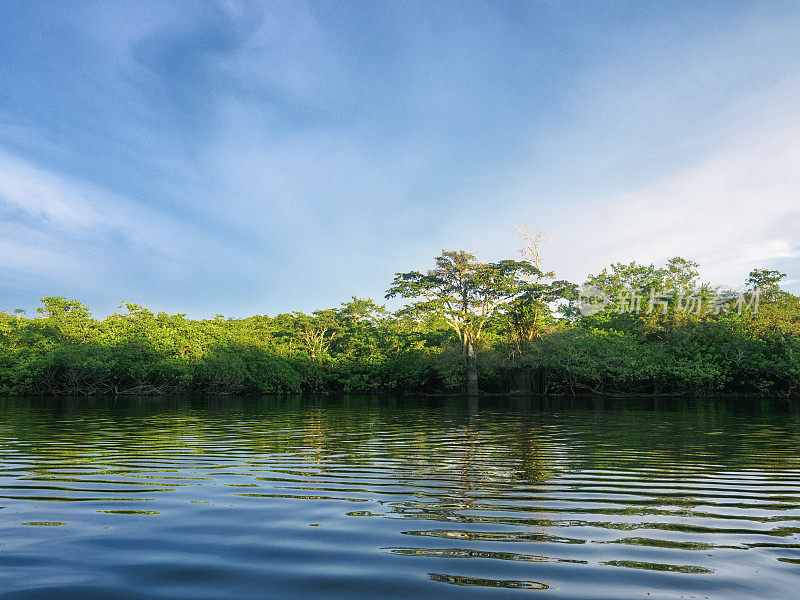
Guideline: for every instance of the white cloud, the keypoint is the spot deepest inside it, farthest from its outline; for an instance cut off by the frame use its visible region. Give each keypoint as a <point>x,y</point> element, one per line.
<point>732,206</point>
<point>42,196</point>
<point>737,207</point>
<point>59,233</point>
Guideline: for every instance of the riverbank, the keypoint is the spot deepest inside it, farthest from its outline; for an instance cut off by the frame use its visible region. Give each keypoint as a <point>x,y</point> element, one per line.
<point>361,348</point>
<point>563,363</point>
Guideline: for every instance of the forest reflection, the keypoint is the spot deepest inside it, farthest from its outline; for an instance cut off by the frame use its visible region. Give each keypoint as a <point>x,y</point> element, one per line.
<point>477,441</point>
<point>654,485</point>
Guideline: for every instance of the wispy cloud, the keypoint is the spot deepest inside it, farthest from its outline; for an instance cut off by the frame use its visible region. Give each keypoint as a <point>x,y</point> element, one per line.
<point>726,194</point>
<point>75,237</point>
<point>32,194</point>
<point>733,209</point>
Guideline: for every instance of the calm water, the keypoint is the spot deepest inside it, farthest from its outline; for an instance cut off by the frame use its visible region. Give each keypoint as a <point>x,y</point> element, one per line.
<point>282,498</point>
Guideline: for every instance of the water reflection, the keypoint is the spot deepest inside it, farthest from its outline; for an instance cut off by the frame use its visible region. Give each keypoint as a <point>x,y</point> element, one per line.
<point>519,584</point>
<point>378,497</point>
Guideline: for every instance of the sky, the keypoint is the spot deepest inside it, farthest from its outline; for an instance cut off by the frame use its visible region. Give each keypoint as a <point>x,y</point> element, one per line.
<point>256,158</point>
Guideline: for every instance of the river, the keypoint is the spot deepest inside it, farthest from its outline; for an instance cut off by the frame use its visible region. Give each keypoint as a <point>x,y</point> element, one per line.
<point>230,498</point>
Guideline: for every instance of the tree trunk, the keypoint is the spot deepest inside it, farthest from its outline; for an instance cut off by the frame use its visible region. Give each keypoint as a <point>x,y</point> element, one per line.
<point>471,364</point>
<point>521,382</point>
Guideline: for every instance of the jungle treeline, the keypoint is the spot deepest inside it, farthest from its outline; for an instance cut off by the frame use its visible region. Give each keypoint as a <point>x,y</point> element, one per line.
<point>639,329</point>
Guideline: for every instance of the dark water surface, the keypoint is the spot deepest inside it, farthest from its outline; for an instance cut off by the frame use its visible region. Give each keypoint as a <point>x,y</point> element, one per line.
<point>382,498</point>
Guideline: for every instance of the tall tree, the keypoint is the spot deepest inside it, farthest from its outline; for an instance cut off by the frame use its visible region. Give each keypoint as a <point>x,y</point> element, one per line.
<point>529,312</point>
<point>766,282</point>
<point>317,331</point>
<point>69,317</point>
<point>465,293</point>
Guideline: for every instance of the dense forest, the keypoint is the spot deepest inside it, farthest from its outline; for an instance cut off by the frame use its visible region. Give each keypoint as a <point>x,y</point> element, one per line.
<point>504,327</point>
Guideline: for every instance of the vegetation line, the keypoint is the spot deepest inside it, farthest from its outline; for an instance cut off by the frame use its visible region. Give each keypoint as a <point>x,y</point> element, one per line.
<point>469,326</point>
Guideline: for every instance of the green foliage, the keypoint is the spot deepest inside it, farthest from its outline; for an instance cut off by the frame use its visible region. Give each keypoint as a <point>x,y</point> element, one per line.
<point>524,340</point>
<point>465,294</point>
<point>462,291</point>
<point>244,370</point>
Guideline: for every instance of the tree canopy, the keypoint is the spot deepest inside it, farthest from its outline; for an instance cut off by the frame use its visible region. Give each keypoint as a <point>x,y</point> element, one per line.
<point>507,325</point>
<point>465,294</point>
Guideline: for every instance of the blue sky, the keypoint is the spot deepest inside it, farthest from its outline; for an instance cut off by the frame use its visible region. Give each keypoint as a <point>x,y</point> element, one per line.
<point>244,158</point>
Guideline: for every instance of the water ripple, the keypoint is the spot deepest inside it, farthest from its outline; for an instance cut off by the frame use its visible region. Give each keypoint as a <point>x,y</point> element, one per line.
<point>238,498</point>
